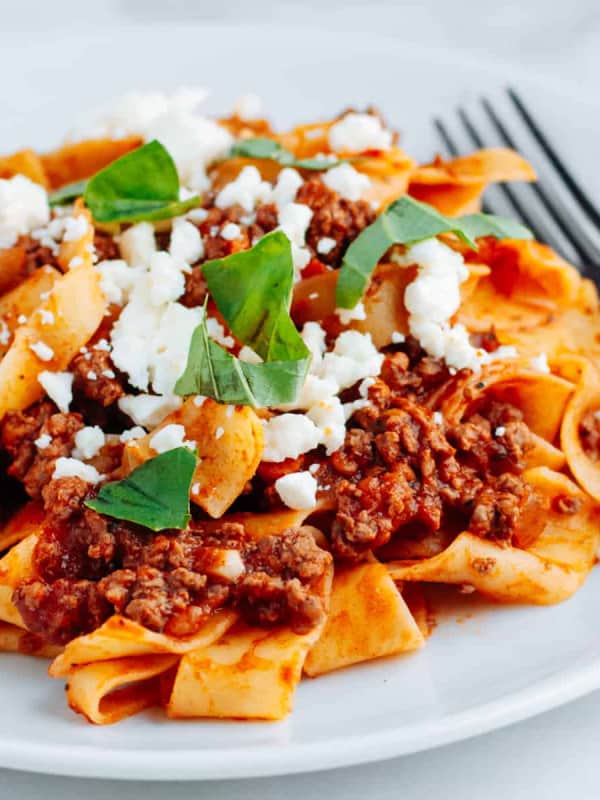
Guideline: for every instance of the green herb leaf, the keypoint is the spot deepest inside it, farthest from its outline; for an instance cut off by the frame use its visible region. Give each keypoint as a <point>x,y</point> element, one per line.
<point>253,290</point>
<point>155,495</point>
<point>263,148</point>
<point>68,193</point>
<point>408,221</point>
<point>141,185</point>
<point>214,372</point>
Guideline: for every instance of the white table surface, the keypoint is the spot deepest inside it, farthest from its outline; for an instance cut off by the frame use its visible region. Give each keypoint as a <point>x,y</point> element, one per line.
<point>555,754</point>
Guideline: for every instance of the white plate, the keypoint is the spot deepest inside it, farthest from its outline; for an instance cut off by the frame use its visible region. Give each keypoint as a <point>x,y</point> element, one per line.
<point>484,666</point>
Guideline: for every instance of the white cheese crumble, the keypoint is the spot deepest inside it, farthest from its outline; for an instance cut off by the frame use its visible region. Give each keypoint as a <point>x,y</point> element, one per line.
<point>357,132</point>
<point>75,228</point>
<point>325,245</point>
<point>149,410</point>
<point>43,441</point>
<point>438,418</point>
<point>74,468</point>
<point>288,436</point>
<point>117,280</point>
<point>137,432</point>
<point>500,430</point>
<point>168,438</point>
<point>173,118</point>
<point>297,490</point>
<point>75,262</point>
<point>347,181</point>
<point>59,388</point>
<point>294,219</point>
<point>231,231</point>
<point>219,432</point>
<point>88,442</point>
<point>43,351</point>
<point>289,181</point>
<point>247,190</point>
<point>23,207</point>
<point>166,282</point>
<point>540,363</point>
<point>186,243</point>
<point>46,317</point>
<point>347,315</point>
<point>137,244</point>
<point>397,337</point>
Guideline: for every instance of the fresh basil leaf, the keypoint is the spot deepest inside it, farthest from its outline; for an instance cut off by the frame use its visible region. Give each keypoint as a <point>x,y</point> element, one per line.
<point>68,193</point>
<point>155,495</point>
<point>141,185</point>
<point>214,372</point>
<point>408,221</point>
<point>253,290</point>
<point>262,148</point>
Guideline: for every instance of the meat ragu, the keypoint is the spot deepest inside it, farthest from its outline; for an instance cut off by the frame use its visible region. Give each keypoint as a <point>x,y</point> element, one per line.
<point>258,416</point>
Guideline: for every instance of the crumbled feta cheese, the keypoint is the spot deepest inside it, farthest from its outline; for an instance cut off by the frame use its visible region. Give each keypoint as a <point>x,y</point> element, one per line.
<point>102,344</point>
<point>500,430</point>
<point>46,317</point>
<point>137,432</point>
<point>165,279</point>
<point>43,441</point>
<point>137,244</point>
<point>438,417</point>
<point>42,350</point>
<point>186,243</point>
<point>91,375</point>
<point>168,438</point>
<point>88,442</point>
<point>75,262</point>
<point>73,468</point>
<point>23,207</point>
<point>59,388</point>
<point>75,228</point>
<point>173,119</point>
<point>149,410</point>
<point>117,280</point>
<point>21,319</point>
<point>328,415</point>
<point>230,411</point>
<point>4,333</point>
<point>347,315</point>
<point>347,181</point>
<point>289,181</point>
<point>397,337</point>
<point>199,400</point>
<point>294,219</point>
<point>219,432</point>
<point>540,363</point>
<point>108,373</point>
<point>357,132</point>
<point>248,106</point>
<point>325,245</point>
<point>353,358</point>
<point>216,331</point>
<point>288,436</point>
<point>195,488</point>
<point>247,190</point>
<point>297,490</point>
<point>248,355</point>
<point>231,231</point>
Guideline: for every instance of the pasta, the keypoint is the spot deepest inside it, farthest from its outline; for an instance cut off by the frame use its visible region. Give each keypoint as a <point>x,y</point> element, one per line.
<point>257,394</point>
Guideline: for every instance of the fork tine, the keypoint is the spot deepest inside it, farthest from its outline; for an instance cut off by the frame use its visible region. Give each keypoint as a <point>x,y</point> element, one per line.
<point>568,224</point>
<point>538,229</point>
<point>588,207</point>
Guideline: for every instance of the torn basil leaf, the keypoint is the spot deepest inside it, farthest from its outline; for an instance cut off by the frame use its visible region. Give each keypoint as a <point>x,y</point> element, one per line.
<point>253,290</point>
<point>262,148</point>
<point>216,373</point>
<point>67,194</point>
<point>155,495</point>
<point>408,221</point>
<point>141,185</point>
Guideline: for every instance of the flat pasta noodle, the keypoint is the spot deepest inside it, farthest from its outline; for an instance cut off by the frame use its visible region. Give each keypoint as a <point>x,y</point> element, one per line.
<point>109,691</point>
<point>79,160</point>
<point>360,595</point>
<point>548,572</point>
<point>222,471</point>
<point>14,639</point>
<point>251,673</point>
<point>23,300</point>
<point>24,162</point>
<point>120,638</point>
<point>16,566</point>
<point>25,521</point>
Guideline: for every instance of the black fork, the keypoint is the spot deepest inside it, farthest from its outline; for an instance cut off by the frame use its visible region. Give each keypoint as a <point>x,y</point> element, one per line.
<point>573,228</point>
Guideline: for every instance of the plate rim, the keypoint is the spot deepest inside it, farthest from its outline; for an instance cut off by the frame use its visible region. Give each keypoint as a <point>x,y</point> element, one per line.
<point>270,760</point>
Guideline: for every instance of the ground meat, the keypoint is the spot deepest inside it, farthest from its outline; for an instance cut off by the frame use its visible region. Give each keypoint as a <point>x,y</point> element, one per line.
<point>195,289</point>
<point>33,465</point>
<point>36,255</point>
<point>284,581</point>
<point>399,470</point>
<point>88,567</point>
<point>589,433</point>
<point>94,377</point>
<point>267,217</point>
<point>106,247</point>
<point>333,217</point>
